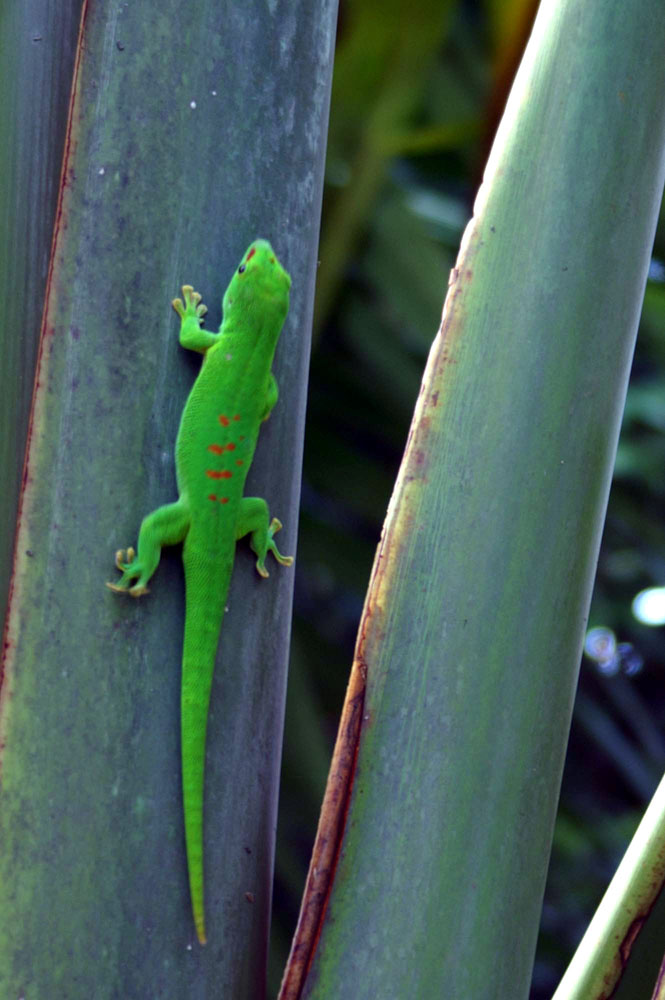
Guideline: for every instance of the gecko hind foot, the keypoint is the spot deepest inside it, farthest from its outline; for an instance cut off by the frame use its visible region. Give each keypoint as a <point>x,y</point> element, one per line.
<point>274,527</point>
<point>125,560</point>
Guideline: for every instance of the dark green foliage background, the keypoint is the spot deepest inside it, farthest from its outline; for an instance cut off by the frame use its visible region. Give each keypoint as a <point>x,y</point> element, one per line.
<point>412,117</point>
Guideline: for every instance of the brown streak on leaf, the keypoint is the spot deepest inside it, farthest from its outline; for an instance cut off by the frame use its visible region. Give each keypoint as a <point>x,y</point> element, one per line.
<point>625,947</point>
<point>8,650</point>
<point>336,800</point>
<point>329,835</point>
<point>398,524</point>
<point>630,937</point>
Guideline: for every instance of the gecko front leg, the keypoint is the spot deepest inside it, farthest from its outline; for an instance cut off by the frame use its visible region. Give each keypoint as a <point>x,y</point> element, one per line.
<point>191,313</point>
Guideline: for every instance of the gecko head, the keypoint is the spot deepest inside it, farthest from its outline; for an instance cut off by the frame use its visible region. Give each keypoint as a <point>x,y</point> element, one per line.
<point>260,282</point>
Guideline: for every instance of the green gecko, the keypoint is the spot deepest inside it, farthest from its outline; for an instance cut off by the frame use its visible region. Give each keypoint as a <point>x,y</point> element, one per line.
<point>233,394</point>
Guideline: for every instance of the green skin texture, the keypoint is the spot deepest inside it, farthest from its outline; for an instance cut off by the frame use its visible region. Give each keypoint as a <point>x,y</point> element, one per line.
<point>234,393</point>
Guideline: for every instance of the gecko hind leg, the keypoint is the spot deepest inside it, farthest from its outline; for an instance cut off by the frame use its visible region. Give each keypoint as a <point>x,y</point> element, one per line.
<point>167,525</point>
<point>254,520</point>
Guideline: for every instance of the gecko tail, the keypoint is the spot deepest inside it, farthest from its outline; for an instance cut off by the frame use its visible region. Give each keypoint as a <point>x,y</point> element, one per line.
<point>203,619</point>
<point>198,661</point>
<point>194,711</point>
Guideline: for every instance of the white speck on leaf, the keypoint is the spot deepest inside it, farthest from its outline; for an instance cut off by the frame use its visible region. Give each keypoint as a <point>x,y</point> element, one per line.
<point>192,105</point>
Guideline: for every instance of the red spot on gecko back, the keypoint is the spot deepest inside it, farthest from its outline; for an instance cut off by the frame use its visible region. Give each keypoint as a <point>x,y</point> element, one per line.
<point>218,474</point>
<point>216,449</point>
<point>236,416</point>
<point>230,446</point>
<point>223,499</point>
<point>211,496</point>
<point>224,420</point>
<point>239,461</point>
<point>250,254</point>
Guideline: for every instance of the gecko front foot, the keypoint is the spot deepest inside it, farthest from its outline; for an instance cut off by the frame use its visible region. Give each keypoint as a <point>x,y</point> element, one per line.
<point>126,561</point>
<point>192,308</point>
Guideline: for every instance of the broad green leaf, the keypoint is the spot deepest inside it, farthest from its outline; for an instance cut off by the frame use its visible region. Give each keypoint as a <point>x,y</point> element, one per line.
<point>475,615</point>
<point>194,128</point>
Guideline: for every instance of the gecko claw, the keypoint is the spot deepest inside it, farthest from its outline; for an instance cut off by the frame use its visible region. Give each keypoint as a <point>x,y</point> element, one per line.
<point>123,558</point>
<point>275,526</point>
<point>135,591</point>
<point>125,561</point>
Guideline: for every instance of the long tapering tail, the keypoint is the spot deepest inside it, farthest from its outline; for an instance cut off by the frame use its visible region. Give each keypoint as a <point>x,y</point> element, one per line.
<point>194,711</point>
<point>202,627</point>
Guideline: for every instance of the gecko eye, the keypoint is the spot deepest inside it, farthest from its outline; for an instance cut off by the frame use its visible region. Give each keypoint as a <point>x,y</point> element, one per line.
<point>241,269</point>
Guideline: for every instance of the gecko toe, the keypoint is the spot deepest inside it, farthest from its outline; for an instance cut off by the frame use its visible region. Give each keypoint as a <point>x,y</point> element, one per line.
<point>261,570</point>
<point>124,558</point>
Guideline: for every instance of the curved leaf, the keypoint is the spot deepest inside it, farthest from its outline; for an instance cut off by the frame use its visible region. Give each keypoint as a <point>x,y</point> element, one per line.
<point>474,619</point>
